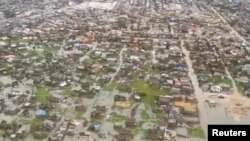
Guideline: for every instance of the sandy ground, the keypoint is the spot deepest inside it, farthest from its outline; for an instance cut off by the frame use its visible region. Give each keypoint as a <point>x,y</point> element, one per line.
<point>238,107</point>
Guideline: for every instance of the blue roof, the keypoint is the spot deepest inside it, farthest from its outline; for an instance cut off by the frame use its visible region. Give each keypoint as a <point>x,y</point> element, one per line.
<point>173,18</point>
<point>42,113</point>
<point>97,126</point>
<point>77,45</point>
<point>181,65</point>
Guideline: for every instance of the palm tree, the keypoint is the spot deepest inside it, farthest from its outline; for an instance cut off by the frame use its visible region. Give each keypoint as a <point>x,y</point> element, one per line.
<point>3,125</point>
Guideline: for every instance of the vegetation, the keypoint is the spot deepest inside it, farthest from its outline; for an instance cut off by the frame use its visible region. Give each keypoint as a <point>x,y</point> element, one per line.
<point>68,92</point>
<point>34,123</point>
<point>149,68</point>
<point>196,132</point>
<point>90,61</point>
<point>240,88</point>
<point>110,86</point>
<point>9,14</point>
<point>143,87</point>
<point>122,23</point>
<point>40,135</point>
<point>50,49</point>
<point>17,40</point>
<point>117,118</point>
<point>42,94</point>
<point>218,80</point>
<point>96,120</point>
<point>79,115</point>
<point>159,115</point>
<point>114,38</point>
<point>32,53</point>
<point>145,115</point>
<point>135,131</point>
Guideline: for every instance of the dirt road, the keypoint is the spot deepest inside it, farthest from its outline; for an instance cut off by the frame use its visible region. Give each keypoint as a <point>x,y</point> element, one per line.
<point>120,64</point>
<point>197,90</point>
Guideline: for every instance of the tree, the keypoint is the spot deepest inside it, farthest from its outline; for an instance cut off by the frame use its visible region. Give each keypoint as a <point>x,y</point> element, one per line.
<point>9,14</point>
<point>3,125</point>
<point>122,23</point>
<point>113,38</point>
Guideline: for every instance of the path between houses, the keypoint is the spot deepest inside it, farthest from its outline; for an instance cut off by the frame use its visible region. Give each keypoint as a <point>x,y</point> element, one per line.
<point>120,64</point>
<point>61,51</point>
<point>86,55</point>
<point>153,55</point>
<point>197,90</point>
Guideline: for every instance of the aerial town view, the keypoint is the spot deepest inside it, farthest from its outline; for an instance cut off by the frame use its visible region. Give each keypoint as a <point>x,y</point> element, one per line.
<point>122,70</point>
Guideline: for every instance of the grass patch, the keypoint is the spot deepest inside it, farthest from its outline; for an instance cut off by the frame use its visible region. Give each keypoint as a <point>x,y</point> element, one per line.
<point>97,120</point>
<point>32,53</point>
<point>117,118</point>
<point>34,124</point>
<point>50,49</point>
<point>240,88</point>
<point>145,115</point>
<point>159,115</point>
<point>142,86</point>
<point>90,61</point>
<point>79,115</point>
<point>196,132</point>
<point>42,94</point>
<point>110,86</point>
<point>68,92</point>
<point>218,80</point>
<point>135,131</point>
<point>149,68</point>
<point>20,40</point>
<point>3,64</point>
